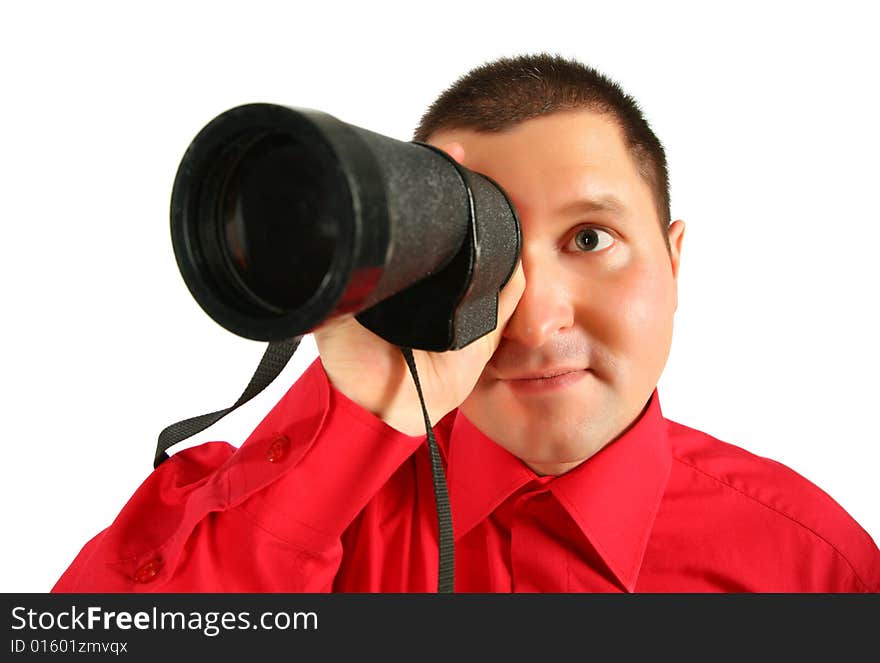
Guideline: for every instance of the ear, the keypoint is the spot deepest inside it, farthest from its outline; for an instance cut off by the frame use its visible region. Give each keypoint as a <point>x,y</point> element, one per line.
<point>676,236</point>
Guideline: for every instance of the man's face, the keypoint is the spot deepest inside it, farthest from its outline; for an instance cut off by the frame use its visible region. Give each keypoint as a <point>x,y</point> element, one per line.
<point>600,294</point>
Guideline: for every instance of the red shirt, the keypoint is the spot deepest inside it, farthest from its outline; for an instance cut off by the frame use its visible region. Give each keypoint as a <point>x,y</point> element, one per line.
<point>323,496</point>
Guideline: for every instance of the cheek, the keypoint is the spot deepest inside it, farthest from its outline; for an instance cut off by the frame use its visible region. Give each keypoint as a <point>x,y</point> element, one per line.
<point>631,313</point>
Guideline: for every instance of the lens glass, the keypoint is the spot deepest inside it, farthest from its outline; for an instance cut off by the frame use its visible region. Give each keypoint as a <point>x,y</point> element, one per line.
<point>278,228</point>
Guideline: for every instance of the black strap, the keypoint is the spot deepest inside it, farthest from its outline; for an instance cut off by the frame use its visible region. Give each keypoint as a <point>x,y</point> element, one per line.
<point>446,576</point>
<point>273,362</point>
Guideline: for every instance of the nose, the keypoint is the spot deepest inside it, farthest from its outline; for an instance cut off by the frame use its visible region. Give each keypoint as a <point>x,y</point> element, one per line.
<point>546,305</point>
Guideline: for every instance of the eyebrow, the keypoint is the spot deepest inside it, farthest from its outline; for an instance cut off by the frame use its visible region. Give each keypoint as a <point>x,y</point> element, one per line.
<point>604,203</point>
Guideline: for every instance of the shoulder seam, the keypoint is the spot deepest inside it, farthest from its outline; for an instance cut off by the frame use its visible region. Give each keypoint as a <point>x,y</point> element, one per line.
<point>781,513</point>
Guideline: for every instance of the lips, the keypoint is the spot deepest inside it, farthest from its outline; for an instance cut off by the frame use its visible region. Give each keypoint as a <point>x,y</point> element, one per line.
<point>546,382</point>
<point>545,373</point>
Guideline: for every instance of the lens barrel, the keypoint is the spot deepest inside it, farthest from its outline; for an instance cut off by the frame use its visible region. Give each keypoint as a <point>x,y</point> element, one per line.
<point>282,218</point>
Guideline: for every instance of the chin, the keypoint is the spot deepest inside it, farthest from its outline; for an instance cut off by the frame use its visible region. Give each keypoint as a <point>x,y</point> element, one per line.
<point>569,444</point>
<point>559,438</point>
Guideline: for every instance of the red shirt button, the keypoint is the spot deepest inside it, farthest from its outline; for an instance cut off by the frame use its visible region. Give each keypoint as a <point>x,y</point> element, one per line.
<point>148,570</point>
<point>278,448</point>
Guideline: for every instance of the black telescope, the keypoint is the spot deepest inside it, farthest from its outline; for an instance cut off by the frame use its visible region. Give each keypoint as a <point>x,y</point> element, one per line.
<point>282,218</point>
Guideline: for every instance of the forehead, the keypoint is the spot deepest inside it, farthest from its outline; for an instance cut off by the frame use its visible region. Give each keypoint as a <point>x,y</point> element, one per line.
<point>548,162</point>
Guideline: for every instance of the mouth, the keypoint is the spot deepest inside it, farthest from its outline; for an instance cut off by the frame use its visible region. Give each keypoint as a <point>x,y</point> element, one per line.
<point>546,380</point>
<point>546,374</point>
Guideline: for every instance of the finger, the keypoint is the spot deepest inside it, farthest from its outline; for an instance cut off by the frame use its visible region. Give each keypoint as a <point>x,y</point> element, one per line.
<point>341,326</point>
<point>455,150</point>
<point>335,322</point>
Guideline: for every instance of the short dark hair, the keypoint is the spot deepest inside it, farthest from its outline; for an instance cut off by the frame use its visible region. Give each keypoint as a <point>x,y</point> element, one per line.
<point>507,91</point>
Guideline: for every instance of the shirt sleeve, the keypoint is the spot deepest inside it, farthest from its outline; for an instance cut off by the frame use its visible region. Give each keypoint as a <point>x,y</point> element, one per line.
<point>268,516</point>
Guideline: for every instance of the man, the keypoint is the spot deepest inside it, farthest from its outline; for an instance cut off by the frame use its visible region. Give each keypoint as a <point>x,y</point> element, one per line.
<point>563,474</point>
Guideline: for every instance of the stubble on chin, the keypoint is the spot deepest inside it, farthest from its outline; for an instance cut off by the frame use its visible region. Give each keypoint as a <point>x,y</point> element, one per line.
<point>566,429</point>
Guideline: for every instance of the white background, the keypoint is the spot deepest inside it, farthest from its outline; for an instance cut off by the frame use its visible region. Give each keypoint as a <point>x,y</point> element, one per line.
<point>768,112</point>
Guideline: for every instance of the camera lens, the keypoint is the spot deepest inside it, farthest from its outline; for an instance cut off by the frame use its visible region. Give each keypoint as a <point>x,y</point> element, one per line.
<point>283,218</point>
<point>277,234</point>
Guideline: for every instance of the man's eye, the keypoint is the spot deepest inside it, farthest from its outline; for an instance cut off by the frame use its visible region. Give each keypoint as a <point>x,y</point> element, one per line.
<point>592,239</point>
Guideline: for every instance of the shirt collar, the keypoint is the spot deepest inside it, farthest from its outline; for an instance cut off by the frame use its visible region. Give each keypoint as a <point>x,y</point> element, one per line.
<point>613,497</point>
